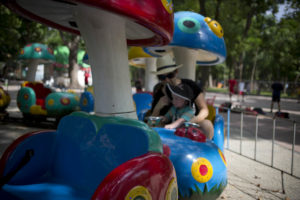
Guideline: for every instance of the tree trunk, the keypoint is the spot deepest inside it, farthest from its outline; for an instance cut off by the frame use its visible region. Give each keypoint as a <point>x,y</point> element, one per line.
<point>253,71</point>
<point>73,45</point>
<point>245,34</point>
<point>218,10</point>
<point>73,74</point>
<point>202,7</point>
<point>241,66</point>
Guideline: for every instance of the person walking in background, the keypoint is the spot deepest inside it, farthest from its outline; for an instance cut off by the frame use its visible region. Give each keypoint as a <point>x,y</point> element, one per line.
<point>138,86</point>
<point>241,90</point>
<point>86,78</point>
<point>232,84</point>
<point>277,87</point>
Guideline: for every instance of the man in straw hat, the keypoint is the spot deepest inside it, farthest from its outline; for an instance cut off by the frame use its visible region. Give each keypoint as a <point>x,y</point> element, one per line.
<point>167,73</point>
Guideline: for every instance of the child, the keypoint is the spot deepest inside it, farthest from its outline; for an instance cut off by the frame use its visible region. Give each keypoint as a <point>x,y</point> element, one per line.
<point>181,110</point>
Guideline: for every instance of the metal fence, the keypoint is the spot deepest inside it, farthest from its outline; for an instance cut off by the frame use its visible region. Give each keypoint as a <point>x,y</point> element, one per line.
<point>272,141</point>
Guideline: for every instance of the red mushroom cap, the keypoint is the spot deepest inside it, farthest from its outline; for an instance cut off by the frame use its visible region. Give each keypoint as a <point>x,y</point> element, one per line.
<point>154,15</point>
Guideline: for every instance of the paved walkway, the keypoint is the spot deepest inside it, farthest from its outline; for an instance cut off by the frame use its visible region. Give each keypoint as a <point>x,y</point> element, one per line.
<point>248,179</point>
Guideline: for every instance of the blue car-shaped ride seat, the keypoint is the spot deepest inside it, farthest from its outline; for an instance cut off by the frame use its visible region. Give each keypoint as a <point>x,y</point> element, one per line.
<point>88,157</point>
<point>143,102</point>
<point>200,166</point>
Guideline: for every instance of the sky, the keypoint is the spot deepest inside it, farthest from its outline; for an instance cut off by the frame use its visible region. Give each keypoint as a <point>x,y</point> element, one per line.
<point>283,9</point>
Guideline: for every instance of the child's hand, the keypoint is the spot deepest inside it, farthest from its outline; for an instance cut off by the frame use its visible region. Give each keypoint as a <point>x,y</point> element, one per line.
<point>175,124</point>
<point>170,126</point>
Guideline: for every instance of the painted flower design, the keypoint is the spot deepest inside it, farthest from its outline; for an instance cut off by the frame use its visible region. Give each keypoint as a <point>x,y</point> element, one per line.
<point>38,49</point>
<point>202,170</point>
<point>65,101</point>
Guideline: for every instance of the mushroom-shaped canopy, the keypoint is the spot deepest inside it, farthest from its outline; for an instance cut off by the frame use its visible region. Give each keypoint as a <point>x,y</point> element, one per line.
<point>35,54</point>
<point>143,26</point>
<point>136,57</point>
<point>196,39</point>
<point>194,31</point>
<point>106,26</point>
<point>137,52</point>
<point>37,51</point>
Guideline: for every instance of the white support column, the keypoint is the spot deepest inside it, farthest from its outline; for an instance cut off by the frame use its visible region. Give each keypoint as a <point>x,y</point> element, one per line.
<point>150,78</point>
<point>32,67</point>
<point>105,39</point>
<point>187,57</point>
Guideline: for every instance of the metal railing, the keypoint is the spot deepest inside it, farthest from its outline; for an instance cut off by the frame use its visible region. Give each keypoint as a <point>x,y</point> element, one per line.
<point>276,135</point>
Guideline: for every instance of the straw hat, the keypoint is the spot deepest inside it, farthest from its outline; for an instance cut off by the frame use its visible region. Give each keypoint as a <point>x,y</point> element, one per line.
<point>165,65</point>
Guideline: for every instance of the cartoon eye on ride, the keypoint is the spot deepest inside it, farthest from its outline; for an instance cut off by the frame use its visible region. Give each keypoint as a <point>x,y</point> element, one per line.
<point>202,170</point>
<point>189,25</point>
<point>138,193</point>
<point>214,26</point>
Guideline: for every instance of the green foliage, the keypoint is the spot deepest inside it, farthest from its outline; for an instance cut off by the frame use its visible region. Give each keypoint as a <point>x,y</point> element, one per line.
<point>253,33</point>
<point>16,32</point>
<point>197,194</point>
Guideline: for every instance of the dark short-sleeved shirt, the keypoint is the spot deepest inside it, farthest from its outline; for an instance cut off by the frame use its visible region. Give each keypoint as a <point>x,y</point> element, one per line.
<point>196,90</point>
<point>277,87</point>
<point>157,94</point>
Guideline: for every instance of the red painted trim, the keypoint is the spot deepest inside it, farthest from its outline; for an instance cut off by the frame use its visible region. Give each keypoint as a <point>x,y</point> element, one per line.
<point>14,145</point>
<point>155,172</point>
<point>162,28</point>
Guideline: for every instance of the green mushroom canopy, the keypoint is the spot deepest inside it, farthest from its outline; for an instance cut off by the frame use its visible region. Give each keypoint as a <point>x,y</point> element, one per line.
<point>35,54</point>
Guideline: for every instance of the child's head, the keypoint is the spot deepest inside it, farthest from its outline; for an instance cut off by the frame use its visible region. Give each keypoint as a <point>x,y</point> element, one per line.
<point>181,95</point>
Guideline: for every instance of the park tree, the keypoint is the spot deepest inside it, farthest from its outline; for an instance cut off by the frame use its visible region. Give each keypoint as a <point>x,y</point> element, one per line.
<point>259,45</point>
<point>257,42</point>
<point>73,42</point>
<point>15,33</point>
